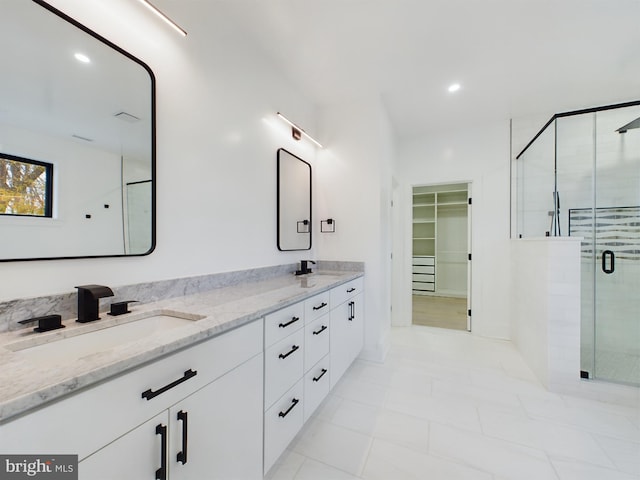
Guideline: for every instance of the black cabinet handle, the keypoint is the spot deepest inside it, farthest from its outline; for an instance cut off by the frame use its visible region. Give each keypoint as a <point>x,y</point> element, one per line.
<point>352,289</point>
<point>322,305</point>
<point>285,355</point>
<point>612,262</point>
<point>293,320</point>
<point>149,394</point>
<point>352,311</point>
<point>182,455</point>
<point>324,327</point>
<point>294,402</point>
<point>161,473</point>
<point>316,379</point>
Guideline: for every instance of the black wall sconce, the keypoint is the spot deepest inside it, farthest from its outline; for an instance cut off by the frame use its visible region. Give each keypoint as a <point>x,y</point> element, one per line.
<point>296,131</point>
<point>328,225</point>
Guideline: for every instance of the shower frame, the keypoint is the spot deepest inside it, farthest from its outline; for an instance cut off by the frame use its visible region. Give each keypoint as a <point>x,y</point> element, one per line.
<point>547,212</point>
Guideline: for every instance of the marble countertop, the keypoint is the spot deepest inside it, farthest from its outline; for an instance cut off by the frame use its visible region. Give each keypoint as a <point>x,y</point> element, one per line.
<point>28,381</point>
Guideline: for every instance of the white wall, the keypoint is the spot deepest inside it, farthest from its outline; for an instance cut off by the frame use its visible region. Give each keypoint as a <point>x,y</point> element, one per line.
<point>480,155</point>
<point>217,136</point>
<point>546,307</point>
<point>354,176</point>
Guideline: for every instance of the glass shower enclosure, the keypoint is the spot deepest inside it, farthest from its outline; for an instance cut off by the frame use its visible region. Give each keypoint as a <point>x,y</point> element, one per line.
<point>580,176</point>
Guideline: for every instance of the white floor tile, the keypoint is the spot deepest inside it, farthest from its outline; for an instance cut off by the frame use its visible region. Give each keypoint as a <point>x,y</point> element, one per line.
<point>550,437</point>
<point>355,416</point>
<point>624,454</point>
<point>361,391</point>
<point>403,430</point>
<point>573,470</point>
<point>452,410</point>
<point>312,470</point>
<point>449,405</point>
<point>335,446</point>
<point>505,459</point>
<point>286,467</point>
<point>388,461</point>
<point>602,422</point>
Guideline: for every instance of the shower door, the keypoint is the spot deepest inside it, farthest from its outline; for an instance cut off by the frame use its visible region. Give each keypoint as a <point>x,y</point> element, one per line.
<point>616,237</point>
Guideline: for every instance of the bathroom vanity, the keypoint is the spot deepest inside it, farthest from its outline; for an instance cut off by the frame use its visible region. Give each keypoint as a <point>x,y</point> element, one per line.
<point>218,393</point>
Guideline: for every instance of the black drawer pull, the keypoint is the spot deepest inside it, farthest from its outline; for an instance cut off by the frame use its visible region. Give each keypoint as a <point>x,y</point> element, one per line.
<point>294,402</point>
<point>316,379</point>
<point>352,289</point>
<point>149,394</point>
<point>161,473</point>
<point>293,320</point>
<point>285,355</point>
<point>182,455</point>
<point>324,327</point>
<point>352,311</point>
<point>322,305</point>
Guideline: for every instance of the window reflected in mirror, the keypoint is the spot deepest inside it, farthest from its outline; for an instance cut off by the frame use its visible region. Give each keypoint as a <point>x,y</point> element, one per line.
<point>25,187</point>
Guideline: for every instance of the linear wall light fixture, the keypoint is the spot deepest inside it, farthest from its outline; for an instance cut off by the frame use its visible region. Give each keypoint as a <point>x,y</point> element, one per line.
<point>169,22</point>
<point>297,132</point>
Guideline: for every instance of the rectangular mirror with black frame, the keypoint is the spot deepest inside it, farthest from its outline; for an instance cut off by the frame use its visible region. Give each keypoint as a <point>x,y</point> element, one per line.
<point>77,140</point>
<point>294,202</point>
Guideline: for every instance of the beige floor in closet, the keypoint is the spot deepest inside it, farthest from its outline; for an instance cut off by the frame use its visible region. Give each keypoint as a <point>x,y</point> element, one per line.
<point>442,312</point>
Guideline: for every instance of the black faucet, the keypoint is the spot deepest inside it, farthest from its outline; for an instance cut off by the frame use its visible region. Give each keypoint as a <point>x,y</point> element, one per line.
<point>304,267</point>
<point>88,298</point>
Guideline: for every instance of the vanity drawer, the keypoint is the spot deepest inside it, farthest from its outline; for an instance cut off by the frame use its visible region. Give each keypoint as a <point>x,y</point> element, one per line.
<point>345,291</point>
<point>316,341</point>
<point>83,422</point>
<point>278,325</point>
<point>316,386</point>
<point>317,306</point>
<point>283,366</point>
<point>282,422</point>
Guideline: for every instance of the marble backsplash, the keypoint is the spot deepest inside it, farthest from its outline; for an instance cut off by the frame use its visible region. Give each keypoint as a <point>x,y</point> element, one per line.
<point>12,311</point>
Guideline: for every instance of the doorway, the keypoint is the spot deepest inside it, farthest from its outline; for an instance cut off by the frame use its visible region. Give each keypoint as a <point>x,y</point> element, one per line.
<point>441,256</point>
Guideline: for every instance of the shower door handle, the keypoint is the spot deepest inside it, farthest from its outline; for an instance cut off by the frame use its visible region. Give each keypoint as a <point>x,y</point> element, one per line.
<point>608,254</point>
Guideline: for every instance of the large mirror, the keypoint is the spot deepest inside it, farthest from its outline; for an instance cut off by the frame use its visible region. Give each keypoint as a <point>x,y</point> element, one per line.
<point>294,202</point>
<point>77,140</point>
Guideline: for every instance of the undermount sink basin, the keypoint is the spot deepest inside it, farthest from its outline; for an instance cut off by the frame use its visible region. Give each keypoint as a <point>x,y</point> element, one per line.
<point>73,344</point>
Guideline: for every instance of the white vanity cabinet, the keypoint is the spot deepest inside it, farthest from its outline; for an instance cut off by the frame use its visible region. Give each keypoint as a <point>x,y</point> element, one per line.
<point>112,426</point>
<point>215,433</point>
<point>298,380</point>
<point>347,326</point>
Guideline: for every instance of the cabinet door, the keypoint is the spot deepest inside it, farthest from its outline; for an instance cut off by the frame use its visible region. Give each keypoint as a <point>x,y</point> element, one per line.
<point>357,326</point>
<point>347,336</point>
<point>218,433</point>
<point>134,456</point>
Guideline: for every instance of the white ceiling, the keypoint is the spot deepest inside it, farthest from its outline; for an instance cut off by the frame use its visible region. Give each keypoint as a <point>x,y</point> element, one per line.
<point>513,58</point>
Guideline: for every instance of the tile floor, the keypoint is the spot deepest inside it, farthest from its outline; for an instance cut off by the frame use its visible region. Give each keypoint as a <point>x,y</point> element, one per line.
<point>448,405</point>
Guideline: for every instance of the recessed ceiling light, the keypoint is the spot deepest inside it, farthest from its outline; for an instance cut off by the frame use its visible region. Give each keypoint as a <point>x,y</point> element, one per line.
<point>454,87</point>
<point>81,57</point>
